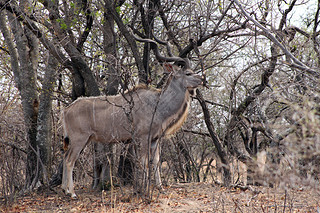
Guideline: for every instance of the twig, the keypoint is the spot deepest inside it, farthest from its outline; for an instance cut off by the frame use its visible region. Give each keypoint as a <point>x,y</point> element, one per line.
<point>229,55</point>
<point>285,200</point>
<point>196,132</point>
<point>268,34</point>
<point>245,70</point>
<point>13,145</point>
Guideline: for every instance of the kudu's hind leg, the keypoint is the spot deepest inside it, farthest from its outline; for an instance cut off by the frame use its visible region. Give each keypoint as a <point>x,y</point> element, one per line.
<point>69,160</point>
<point>64,173</point>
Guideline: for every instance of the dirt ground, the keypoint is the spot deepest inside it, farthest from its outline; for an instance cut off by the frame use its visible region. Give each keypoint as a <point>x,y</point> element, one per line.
<point>182,197</point>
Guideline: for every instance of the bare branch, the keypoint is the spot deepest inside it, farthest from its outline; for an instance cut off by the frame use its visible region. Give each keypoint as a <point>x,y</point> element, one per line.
<point>199,42</point>
<point>245,70</point>
<point>5,50</point>
<point>14,145</point>
<point>276,41</point>
<point>221,151</point>
<point>128,37</point>
<point>170,33</point>
<point>229,55</point>
<point>316,43</point>
<point>196,132</point>
<point>87,29</point>
<point>21,16</point>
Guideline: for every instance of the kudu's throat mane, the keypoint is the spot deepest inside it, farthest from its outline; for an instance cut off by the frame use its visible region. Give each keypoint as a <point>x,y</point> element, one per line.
<point>179,120</point>
<point>174,106</point>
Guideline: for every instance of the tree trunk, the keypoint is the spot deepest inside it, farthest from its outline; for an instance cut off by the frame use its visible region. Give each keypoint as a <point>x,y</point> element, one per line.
<point>221,151</point>
<point>110,7</point>
<point>24,63</point>
<point>44,133</point>
<point>126,164</point>
<point>78,88</point>
<point>109,47</point>
<point>104,167</point>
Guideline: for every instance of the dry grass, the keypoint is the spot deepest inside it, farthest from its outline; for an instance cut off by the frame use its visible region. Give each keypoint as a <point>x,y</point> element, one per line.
<point>182,197</point>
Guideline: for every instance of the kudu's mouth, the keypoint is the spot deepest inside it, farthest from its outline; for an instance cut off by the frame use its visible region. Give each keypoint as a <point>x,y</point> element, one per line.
<point>192,89</point>
<point>203,78</point>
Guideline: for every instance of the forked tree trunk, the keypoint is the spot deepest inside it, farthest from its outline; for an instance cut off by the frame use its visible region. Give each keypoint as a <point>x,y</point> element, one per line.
<point>24,62</point>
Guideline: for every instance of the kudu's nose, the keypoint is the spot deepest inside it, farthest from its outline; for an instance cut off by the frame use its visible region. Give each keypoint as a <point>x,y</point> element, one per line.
<point>203,80</point>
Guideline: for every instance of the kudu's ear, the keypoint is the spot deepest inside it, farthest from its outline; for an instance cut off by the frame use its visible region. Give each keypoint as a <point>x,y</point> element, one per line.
<point>172,68</point>
<point>168,68</point>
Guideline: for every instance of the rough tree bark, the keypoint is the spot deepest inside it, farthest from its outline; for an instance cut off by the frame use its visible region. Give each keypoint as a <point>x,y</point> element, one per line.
<point>131,41</point>
<point>80,70</point>
<point>44,132</point>
<point>24,62</point>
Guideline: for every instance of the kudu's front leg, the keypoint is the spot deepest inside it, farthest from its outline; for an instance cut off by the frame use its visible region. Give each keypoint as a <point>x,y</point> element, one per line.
<point>155,155</point>
<point>142,166</point>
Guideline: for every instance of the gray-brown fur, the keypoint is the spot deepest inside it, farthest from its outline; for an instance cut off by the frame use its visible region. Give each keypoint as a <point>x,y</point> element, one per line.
<point>143,114</point>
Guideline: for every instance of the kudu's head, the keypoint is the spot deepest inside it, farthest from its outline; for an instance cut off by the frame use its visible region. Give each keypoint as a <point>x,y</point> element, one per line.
<point>186,78</point>
<point>180,71</point>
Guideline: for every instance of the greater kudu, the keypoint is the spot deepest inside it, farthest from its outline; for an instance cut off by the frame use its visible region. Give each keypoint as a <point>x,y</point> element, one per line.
<point>142,114</point>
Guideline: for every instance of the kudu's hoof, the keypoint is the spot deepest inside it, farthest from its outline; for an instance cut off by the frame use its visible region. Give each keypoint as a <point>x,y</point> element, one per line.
<point>69,194</point>
<point>161,190</point>
<point>72,196</point>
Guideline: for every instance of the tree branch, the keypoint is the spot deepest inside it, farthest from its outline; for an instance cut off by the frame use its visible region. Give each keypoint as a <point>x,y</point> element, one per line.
<point>87,28</point>
<point>221,152</point>
<point>129,38</point>
<point>196,132</point>
<point>315,33</point>
<point>170,33</point>
<point>245,70</point>
<point>36,31</point>
<point>189,48</point>
<point>276,41</point>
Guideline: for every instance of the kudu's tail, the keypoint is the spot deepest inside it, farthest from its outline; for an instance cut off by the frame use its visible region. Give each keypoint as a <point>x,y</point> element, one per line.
<point>66,142</point>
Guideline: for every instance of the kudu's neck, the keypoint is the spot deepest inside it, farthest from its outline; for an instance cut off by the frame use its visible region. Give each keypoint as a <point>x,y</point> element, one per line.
<point>174,103</point>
